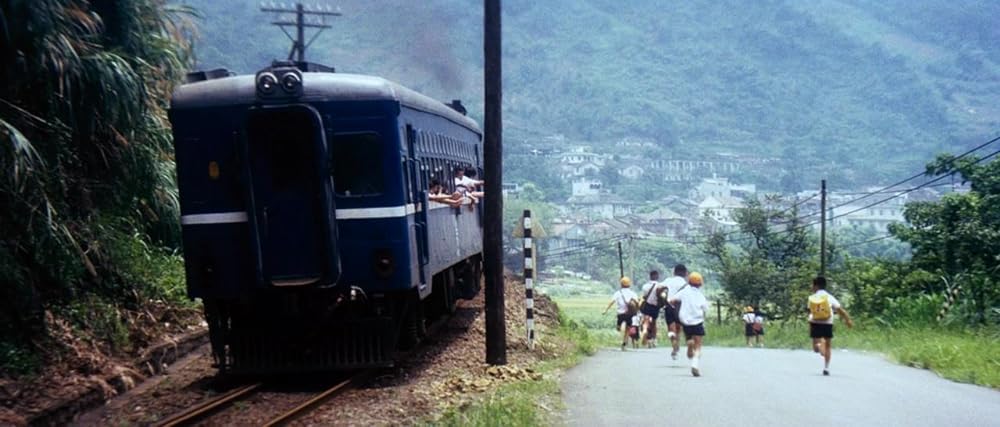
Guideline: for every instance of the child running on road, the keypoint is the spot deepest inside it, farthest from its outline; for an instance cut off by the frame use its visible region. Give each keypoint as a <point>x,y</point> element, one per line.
<point>650,308</point>
<point>674,285</point>
<point>693,309</point>
<point>822,305</point>
<point>623,297</point>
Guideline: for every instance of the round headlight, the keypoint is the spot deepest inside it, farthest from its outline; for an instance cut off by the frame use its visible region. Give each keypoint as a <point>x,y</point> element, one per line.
<point>266,82</point>
<point>290,82</point>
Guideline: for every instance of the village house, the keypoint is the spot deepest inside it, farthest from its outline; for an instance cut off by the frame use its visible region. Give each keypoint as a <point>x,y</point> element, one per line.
<point>663,222</point>
<point>721,187</point>
<point>600,206</point>
<point>579,162</point>
<point>632,172</point>
<point>720,209</point>
<point>584,186</point>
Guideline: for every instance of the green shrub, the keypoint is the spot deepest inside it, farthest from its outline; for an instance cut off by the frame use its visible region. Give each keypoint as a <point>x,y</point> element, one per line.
<point>101,319</point>
<point>17,360</point>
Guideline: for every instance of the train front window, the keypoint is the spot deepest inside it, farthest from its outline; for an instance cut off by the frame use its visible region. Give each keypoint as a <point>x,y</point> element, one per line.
<point>357,164</point>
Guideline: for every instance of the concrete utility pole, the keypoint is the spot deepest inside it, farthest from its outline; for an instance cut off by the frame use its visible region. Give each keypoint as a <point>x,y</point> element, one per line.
<point>299,44</point>
<point>822,229</point>
<point>496,329</point>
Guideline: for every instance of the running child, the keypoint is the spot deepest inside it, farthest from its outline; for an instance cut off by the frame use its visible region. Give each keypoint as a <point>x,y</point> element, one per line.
<point>627,306</point>
<point>692,312</point>
<point>822,305</point>
<point>674,285</point>
<point>650,308</point>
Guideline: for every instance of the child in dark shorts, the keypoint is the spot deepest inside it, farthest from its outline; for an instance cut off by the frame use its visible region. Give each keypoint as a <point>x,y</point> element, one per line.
<point>692,313</point>
<point>624,298</point>
<point>821,330</point>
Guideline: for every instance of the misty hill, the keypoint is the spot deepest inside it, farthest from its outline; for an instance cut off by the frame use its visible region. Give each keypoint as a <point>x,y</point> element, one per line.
<point>856,91</point>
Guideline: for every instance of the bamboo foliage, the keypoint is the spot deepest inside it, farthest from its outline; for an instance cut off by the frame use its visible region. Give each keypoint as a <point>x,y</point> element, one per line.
<point>84,88</point>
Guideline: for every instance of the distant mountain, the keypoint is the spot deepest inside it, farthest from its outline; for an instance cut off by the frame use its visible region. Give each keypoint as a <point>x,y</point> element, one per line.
<point>856,91</point>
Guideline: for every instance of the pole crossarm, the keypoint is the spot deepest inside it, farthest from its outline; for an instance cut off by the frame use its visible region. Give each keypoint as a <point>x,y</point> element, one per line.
<point>293,24</point>
<point>317,15</point>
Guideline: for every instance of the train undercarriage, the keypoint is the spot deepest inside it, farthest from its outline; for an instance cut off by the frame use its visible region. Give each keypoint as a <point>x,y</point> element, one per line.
<point>338,328</point>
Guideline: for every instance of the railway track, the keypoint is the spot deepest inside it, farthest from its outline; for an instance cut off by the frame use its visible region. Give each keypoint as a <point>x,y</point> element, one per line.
<point>205,410</point>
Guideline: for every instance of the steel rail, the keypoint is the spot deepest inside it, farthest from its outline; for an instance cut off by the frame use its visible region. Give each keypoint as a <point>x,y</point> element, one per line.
<point>311,404</point>
<point>199,411</point>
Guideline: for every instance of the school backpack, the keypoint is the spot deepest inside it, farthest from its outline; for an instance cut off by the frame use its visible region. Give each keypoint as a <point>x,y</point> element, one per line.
<point>632,307</point>
<point>819,307</point>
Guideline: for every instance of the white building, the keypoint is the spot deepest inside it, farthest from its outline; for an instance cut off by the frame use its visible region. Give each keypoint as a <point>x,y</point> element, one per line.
<point>586,187</point>
<point>721,187</point>
<point>600,206</point>
<point>632,172</point>
<point>580,162</point>
<point>720,208</point>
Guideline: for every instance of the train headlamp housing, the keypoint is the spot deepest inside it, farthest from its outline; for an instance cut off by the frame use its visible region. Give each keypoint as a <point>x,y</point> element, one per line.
<point>288,78</point>
<point>291,82</point>
<point>266,83</point>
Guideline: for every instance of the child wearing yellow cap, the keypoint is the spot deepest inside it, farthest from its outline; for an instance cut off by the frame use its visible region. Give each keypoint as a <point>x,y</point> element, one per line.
<point>693,310</point>
<point>628,306</point>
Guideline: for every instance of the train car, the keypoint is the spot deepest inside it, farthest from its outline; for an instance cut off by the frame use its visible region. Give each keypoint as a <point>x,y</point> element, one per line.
<point>307,229</point>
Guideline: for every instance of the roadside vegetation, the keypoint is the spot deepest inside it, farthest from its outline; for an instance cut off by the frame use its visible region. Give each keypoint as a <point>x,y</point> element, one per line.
<point>530,402</point>
<point>89,226</point>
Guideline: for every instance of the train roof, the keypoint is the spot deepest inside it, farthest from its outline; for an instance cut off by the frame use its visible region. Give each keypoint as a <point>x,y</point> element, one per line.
<point>317,87</point>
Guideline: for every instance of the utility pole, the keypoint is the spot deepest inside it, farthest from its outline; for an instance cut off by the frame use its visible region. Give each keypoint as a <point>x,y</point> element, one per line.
<point>496,329</point>
<point>822,229</point>
<point>299,44</point>
<point>621,264</point>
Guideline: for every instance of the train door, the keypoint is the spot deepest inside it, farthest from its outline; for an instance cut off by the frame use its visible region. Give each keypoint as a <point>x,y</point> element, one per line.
<point>419,196</point>
<point>290,196</point>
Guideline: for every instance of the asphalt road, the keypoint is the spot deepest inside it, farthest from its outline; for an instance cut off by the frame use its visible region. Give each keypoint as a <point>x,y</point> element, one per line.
<point>765,387</point>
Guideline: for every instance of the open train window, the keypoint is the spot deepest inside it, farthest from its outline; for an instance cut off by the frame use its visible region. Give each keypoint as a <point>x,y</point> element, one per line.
<point>357,164</point>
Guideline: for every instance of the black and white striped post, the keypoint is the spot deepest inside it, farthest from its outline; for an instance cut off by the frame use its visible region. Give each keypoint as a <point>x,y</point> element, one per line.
<point>949,299</point>
<point>529,277</point>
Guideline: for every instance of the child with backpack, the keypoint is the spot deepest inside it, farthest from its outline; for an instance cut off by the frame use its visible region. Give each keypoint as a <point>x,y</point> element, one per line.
<point>749,320</point>
<point>822,305</point>
<point>692,313</point>
<point>628,306</point>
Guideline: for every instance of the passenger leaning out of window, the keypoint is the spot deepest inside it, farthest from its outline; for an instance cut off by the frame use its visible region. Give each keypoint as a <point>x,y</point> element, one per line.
<point>465,185</point>
<point>437,194</point>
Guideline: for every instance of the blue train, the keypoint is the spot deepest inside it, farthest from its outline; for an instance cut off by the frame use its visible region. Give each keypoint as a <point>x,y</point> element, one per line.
<point>307,229</point>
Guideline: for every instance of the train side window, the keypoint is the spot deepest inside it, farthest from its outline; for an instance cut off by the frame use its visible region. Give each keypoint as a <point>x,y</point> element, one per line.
<point>357,164</point>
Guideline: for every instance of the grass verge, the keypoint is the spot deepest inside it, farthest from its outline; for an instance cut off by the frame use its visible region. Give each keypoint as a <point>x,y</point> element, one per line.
<point>529,402</point>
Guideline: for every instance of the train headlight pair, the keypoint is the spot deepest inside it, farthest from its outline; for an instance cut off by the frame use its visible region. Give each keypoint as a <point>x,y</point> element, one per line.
<point>289,79</point>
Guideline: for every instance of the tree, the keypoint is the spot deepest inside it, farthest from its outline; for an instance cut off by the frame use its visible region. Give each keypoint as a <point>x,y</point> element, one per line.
<point>958,237</point>
<point>84,144</point>
<point>768,263</point>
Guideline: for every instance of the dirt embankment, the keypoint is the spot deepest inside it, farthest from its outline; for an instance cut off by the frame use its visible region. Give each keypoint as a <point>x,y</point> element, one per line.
<point>448,370</point>
<point>451,371</point>
<point>81,371</point>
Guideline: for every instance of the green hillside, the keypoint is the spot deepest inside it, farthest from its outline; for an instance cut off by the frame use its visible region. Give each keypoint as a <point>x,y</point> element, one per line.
<point>854,91</point>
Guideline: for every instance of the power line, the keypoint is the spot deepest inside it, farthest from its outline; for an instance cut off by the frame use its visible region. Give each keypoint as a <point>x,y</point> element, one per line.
<point>898,194</point>
<point>876,239</point>
<point>943,176</point>
<point>911,178</point>
<point>580,249</point>
<point>892,191</point>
